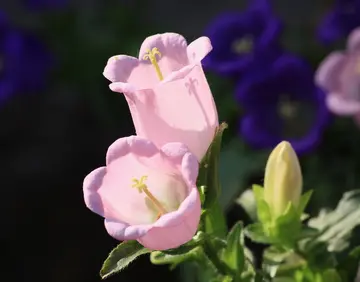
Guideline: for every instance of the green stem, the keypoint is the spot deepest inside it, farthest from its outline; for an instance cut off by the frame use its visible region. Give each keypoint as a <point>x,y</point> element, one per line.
<point>212,255</point>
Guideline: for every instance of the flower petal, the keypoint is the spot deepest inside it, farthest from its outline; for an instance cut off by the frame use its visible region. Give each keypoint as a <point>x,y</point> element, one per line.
<point>328,73</point>
<point>353,43</point>
<point>119,68</point>
<point>176,228</point>
<point>122,231</point>
<point>340,106</point>
<point>181,110</point>
<point>198,49</point>
<point>92,183</point>
<point>172,47</point>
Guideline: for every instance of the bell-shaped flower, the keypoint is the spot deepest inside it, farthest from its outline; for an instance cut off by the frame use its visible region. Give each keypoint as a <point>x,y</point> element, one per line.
<point>167,91</point>
<point>145,193</point>
<point>283,179</point>
<point>339,75</point>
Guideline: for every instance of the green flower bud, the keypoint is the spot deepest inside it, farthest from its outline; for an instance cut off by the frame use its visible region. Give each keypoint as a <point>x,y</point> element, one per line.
<point>283,179</point>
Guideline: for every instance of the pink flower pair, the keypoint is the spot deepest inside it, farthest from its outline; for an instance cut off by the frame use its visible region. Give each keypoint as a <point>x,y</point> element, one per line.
<point>339,74</point>
<point>147,190</point>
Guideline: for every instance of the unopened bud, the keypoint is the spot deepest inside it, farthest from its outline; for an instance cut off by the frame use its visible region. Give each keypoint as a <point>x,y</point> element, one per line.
<point>283,179</point>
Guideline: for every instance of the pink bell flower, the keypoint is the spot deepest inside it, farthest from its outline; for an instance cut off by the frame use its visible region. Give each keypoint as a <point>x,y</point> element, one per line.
<point>339,74</point>
<point>145,193</point>
<point>167,91</point>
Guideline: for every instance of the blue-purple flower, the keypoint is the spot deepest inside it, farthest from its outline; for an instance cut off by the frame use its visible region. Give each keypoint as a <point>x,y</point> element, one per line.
<point>241,39</point>
<point>24,61</point>
<point>340,21</point>
<point>281,102</point>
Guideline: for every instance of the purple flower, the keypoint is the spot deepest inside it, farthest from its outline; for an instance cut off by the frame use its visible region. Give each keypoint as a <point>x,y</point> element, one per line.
<point>339,22</point>
<point>339,74</point>
<point>282,103</point>
<point>241,39</point>
<point>24,61</point>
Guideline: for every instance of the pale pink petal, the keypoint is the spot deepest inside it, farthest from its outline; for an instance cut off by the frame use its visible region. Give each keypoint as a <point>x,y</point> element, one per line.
<point>172,47</point>
<point>91,184</point>
<point>122,231</point>
<point>329,71</point>
<point>182,110</point>
<point>198,49</point>
<point>340,106</point>
<point>353,43</point>
<point>177,228</point>
<point>190,169</point>
<point>119,68</point>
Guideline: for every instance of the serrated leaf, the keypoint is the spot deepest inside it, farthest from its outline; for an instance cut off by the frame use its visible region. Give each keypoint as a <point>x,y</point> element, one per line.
<point>209,166</point>
<point>233,254</point>
<point>336,226</point>
<point>121,256</point>
<point>256,233</point>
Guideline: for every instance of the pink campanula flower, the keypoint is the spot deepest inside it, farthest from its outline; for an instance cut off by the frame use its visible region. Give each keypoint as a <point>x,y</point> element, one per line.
<point>145,193</point>
<point>167,91</point>
<point>339,74</point>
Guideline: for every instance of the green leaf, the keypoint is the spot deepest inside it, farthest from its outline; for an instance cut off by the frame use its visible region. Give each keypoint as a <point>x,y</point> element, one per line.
<point>233,255</point>
<point>121,257</point>
<point>256,233</point>
<point>336,226</point>
<point>304,200</point>
<point>209,166</point>
<point>331,275</point>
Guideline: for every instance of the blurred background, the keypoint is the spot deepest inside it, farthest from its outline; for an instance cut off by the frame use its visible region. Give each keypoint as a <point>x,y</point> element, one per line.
<point>58,116</point>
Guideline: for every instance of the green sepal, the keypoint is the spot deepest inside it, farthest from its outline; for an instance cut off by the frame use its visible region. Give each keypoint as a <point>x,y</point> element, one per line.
<point>233,255</point>
<point>286,228</point>
<point>256,233</point>
<point>121,256</point>
<point>208,172</point>
<point>159,258</point>
<point>304,200</point>
<point>262,207</point>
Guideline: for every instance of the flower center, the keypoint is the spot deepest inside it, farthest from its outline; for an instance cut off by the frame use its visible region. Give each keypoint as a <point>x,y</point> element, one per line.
<point>151,55</point>
<point>243,45</point>
<point>287,109</point>
<point>150,200</point>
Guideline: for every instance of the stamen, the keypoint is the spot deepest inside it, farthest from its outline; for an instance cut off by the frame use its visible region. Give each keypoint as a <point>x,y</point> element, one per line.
<point>142,187</point>
<point>151,55</point>
<point>243,45</point>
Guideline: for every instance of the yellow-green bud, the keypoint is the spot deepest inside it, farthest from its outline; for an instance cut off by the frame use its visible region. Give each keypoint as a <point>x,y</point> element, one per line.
<point>283,179</point>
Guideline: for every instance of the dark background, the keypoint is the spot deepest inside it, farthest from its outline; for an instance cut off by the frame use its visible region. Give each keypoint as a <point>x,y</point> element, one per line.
<point>51,138</point>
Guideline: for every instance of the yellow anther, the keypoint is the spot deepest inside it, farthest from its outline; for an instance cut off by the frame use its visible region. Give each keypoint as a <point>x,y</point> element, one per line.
<point>142,187</point>
<point>151,55</point>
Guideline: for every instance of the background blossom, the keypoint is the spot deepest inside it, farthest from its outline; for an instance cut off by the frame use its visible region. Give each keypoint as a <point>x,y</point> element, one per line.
<point>281,102</point>
<point>340,21</point>
<point>242,39</point>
